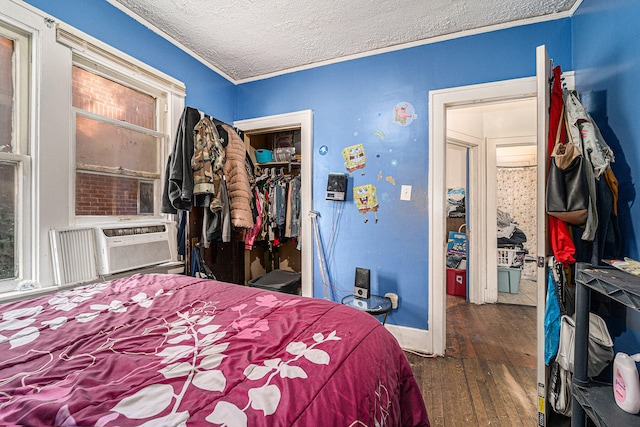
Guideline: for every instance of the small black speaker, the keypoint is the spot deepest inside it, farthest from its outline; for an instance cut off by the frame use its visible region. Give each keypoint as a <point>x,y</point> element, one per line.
<point>337,187</point>
<point>363,283</point>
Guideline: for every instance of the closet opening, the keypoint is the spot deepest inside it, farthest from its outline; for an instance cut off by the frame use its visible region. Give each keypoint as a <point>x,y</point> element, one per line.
<point>278,134</point>
<point>276,155</point>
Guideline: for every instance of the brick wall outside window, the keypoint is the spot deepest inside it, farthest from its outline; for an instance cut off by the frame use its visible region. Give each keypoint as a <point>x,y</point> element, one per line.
<point>107,98</point>
<point>103,194</point>
<point>106,195</point>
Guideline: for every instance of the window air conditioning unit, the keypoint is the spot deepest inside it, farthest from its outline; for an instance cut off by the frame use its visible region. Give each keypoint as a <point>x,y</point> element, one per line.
<point>127,247</point>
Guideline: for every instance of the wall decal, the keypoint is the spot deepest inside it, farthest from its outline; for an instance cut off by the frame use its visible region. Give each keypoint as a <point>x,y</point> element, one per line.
<point>405,114</point>
<point>379,134</point>
<point>366,200</point>
<point>391,180</point>
<point>354,157</point>
<point>394,163</point>
<point>323,150</point>
<point>379,175</point>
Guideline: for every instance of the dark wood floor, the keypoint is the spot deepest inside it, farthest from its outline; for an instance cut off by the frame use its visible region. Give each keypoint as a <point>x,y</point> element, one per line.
<point>488,376</point>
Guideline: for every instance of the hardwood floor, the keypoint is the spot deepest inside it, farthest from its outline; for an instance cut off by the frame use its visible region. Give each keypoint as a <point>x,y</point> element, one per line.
<point>527,294</point>
<point>488,376</point>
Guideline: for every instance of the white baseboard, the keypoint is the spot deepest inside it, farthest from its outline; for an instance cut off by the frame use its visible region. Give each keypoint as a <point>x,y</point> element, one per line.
<point>412,339</point>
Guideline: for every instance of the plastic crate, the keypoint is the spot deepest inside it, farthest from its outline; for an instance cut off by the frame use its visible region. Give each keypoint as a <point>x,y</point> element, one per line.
<point>510,257</point>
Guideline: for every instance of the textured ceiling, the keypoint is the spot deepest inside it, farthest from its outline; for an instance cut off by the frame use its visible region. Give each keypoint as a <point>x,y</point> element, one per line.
<point>246,39</point>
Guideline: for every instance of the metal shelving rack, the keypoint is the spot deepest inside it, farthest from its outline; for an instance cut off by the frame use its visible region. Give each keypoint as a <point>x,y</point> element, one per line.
<point>593,399</point>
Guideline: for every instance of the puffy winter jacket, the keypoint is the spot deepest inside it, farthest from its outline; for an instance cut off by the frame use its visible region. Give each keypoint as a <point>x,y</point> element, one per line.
<point>237,180</point>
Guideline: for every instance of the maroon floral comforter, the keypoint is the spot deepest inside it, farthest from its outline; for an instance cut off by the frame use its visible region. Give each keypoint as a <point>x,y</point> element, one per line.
<point>168,350</point>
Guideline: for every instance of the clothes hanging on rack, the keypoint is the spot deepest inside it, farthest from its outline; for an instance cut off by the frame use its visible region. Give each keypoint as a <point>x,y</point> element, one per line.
<point>599,238</point>
<point>277,197</point>
<point>197,173</point>
<point>178,189</point>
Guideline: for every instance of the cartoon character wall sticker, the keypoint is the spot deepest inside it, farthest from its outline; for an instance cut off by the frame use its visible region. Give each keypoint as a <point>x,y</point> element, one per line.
<point>366,200</point>
<point>354,157</point>
<point>405,114</point>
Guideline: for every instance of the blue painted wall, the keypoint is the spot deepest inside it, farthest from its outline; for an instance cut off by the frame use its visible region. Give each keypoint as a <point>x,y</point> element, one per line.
<point>606,57</point>
<point>353,103</point>
<point>206,90</point>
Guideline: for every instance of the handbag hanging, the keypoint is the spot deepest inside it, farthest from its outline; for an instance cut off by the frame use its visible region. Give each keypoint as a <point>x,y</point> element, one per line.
<point>567,186</point>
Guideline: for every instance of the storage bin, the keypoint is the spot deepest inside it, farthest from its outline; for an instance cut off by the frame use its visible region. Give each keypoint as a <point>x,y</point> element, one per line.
<point>284,281</point>
<point>283,154</point>
<point>457,282</point>
<point>509,279</point>
<point>264,156</point>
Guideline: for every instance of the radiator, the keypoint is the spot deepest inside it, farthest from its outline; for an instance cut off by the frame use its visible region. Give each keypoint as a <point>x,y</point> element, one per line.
<point>73,253</point>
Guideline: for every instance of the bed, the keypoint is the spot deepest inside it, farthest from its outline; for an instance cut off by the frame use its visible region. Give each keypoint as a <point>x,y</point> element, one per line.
<point>172,350</point>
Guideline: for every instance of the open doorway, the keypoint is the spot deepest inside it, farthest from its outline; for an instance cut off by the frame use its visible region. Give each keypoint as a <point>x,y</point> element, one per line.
<point>482,250</point>
<point>497,140</point>
<point>516,174</point>
<point>501,199</point>
<point>491,169</point>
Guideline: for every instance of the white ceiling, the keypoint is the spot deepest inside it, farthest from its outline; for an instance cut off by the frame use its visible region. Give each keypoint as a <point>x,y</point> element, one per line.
<point>248,39</point>
<point>511,125</point>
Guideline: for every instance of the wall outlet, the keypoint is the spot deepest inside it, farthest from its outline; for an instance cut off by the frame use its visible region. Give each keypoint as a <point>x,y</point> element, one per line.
<point>394,299</point>
<point>405,192</point>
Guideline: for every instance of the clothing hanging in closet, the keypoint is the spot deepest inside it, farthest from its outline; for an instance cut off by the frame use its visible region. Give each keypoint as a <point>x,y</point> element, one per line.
<point>277,199</point>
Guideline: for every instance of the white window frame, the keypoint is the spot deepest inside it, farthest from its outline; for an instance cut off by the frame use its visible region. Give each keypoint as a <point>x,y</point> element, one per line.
<point>98,58</point>
<point>23,73</point>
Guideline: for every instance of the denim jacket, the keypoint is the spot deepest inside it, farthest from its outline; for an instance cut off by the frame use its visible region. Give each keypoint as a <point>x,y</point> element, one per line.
<point>585,134</point>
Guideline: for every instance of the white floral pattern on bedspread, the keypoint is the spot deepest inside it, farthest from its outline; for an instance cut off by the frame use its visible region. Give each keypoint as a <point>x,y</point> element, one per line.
<point>163,350</point>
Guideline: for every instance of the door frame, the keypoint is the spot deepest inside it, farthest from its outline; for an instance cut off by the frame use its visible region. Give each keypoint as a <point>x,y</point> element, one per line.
<point>304,121</point>
<point>439,101</point>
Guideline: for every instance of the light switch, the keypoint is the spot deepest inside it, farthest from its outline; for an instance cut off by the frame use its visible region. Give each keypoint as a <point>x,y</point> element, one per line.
<point>405,192</point>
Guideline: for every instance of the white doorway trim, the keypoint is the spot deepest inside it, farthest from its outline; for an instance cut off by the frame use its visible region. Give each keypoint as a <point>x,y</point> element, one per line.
<point>303,120</point>
<point>439,101</point>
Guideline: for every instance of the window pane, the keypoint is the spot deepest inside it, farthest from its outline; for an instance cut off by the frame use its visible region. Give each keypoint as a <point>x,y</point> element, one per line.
<point>7,220</point>
<point>117,149</point>
<point>6,94</point>
<point>146,198</point>
<point>98,194</point>
<point>110,99</point>
<point>116,168</point>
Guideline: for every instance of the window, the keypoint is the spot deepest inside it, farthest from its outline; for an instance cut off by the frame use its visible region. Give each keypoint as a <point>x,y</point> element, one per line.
<point>14,157</point>
<point>119,143</point>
